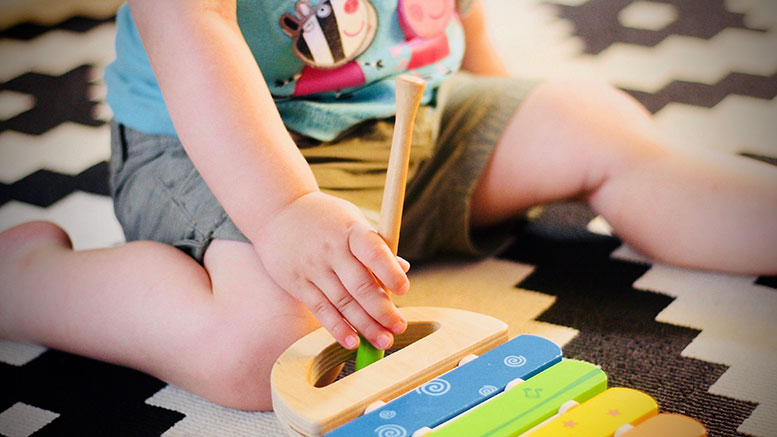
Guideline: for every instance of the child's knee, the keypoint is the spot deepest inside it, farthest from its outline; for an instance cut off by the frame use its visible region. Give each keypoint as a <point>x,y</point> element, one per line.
<point>602,118</point>
<point>587,95</point>
<point>23,245</point>
<point>236,368</point>
<point>35,233</point>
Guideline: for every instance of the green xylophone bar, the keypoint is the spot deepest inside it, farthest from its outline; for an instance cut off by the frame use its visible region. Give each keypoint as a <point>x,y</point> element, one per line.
<point>529,403</point>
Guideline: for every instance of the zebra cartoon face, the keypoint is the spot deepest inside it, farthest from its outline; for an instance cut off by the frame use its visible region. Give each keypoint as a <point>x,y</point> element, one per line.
<point>331,33</point>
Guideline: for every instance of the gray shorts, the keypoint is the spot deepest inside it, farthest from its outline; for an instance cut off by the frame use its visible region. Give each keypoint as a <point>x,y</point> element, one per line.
<point>159,195</point>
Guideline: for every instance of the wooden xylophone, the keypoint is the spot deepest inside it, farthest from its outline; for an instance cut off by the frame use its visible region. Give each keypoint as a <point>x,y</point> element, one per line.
<point>435,385</point>
<point>520,387</point>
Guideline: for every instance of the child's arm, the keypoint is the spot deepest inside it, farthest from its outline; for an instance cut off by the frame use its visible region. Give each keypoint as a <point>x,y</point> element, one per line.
<point>316,247</point>
<point>480,56</point>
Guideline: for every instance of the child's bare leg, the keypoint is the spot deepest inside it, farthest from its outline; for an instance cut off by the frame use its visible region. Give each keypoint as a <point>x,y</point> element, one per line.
<point>215,331</point>
<point>584,139</point>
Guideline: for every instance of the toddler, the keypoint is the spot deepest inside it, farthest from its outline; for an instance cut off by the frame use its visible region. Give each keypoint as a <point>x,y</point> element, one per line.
<point>249,150</point>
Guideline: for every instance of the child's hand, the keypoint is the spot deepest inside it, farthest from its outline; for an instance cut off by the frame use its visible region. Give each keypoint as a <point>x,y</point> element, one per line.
<point>321,250</point>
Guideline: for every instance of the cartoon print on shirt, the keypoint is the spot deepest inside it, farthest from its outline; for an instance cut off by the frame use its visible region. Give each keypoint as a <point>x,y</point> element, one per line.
<point>332,33</point>
<point>425,19</point>
<point>424,23</point>
<point>329,36</point>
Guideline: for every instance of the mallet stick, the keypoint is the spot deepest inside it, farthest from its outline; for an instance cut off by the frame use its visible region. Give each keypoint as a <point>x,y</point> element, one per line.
<point>410,89</point>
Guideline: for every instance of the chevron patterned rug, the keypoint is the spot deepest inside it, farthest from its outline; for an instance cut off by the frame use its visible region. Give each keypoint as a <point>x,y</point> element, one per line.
<point>702,344</point>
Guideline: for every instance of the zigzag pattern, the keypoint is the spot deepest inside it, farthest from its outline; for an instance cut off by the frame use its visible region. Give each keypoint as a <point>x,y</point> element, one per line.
<point>57,99</point>
<point>58,52</point>
<point>699,94</point>
<point>27,31</point>
<point>617,326</point>
<point>704,300</point>
<point>596,22</point>
<point>44,188</point>
<point>52,380</point>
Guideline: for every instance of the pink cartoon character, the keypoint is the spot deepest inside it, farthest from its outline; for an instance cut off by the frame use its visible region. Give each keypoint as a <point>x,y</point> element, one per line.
<point>423,23</point>
<point>331,33</point>
<point>425,19</point>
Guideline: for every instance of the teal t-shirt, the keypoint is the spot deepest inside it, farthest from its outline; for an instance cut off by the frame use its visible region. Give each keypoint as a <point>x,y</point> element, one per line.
<point>329,64</point>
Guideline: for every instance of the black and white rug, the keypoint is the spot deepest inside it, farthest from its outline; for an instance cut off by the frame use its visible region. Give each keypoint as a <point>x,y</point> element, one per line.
<point>703,344</point>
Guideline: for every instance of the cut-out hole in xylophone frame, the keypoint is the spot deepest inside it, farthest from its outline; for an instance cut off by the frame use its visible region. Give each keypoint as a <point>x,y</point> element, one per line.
<point>434,387</point>
<point>310,410</point>
<point>328,365</point>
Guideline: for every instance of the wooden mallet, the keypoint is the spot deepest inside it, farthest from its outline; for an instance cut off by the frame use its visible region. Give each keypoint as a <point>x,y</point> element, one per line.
<point>410,89</point>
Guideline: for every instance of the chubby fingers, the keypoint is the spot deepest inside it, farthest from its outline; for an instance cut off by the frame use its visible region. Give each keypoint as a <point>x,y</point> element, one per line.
<point>348,294</point>
<point>372,263</point>
<point>365,306</point>
<point>373,252</point>
<point>330,318</point>
<point>384,319</point>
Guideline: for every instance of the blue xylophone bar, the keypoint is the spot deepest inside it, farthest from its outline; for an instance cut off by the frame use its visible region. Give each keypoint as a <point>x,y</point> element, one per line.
<point>458,390</point>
